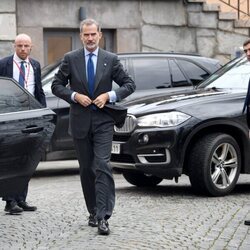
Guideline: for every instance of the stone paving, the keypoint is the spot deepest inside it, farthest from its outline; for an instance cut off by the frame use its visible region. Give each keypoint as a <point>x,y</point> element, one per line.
<point>169,216</point>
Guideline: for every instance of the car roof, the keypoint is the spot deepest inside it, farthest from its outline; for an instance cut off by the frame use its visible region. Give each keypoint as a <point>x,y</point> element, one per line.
<point>207,62</point>
<point>158,53</point>
<point>164,54</point>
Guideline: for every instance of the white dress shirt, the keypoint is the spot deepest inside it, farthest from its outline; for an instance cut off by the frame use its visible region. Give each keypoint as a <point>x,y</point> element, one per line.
<point>112,94</point>
<point>29,82</point>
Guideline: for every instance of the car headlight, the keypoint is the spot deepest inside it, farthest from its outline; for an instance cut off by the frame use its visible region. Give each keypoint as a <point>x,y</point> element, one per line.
<point>169,119</point>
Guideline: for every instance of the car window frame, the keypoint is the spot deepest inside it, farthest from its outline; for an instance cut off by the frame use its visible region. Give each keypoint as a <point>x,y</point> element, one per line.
<point>30,100</point>
<point>196,64</point>
<point>181,70</point>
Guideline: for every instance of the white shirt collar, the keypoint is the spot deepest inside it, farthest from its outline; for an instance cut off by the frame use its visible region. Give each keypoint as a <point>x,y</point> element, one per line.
<point>95,52</point>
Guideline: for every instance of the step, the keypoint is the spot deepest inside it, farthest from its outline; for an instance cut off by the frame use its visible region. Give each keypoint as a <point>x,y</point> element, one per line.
<point>227,16</point>
<point>207,7</point>
<point>227,8</point>
<point>242,23</point>
<point>196,1</point>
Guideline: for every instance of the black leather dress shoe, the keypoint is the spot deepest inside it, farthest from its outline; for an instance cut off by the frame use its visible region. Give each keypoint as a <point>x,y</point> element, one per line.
<point>92,221</point>
<point>103,227</point>
<point>12,208</point>
<point>24,205</point>
<point>247,222</point>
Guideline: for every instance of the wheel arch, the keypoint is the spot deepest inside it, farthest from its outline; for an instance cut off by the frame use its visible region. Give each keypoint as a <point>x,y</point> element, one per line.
<point>238,133</point>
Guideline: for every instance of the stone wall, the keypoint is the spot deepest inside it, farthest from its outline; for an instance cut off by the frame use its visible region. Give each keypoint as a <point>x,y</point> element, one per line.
<point>7,26</point>
<point>190,26</point>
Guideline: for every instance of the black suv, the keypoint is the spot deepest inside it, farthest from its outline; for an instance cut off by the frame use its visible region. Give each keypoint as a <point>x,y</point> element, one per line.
<point>151,71</point>
<point>201,133</point>
<point>167,70</point>
<point>25,131</point>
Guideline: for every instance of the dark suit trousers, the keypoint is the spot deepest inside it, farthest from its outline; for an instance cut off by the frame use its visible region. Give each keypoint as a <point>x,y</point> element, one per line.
<point>17,197</point>
<point>93,153</point>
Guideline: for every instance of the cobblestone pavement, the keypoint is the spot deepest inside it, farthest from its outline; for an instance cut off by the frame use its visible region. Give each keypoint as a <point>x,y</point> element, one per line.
<point>169,216</point>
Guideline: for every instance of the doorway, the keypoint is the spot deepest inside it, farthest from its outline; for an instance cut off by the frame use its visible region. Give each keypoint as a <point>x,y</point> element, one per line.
<point>58,42</point>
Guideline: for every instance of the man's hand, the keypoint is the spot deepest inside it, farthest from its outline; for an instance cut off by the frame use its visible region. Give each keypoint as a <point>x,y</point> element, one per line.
<point>101,100</point>
<point>84,100</point>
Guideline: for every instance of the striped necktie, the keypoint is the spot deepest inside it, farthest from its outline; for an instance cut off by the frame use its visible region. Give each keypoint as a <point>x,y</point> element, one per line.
<point>91,75</point>
<point>21,79</point>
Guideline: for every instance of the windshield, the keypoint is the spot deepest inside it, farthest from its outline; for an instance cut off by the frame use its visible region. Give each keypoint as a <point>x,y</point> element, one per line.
<point>48,72</point>
<point>50,67</point>
<point>234,75</point>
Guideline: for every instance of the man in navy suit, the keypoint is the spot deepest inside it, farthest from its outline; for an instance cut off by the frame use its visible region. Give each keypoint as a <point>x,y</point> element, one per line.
<point>90,72</point>
<point>246,48</point>
<point>27,72</point>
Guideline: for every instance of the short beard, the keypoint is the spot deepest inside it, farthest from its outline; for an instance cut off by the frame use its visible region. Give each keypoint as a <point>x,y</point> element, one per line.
<point>91,46</point>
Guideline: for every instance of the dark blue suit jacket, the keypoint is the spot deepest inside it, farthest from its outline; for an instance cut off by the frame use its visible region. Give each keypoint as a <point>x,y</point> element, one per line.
<point>6,70</point>
<point>73,70</point>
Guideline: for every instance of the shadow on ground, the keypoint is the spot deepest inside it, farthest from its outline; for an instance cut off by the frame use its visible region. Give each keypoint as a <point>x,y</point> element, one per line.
<point>56,172</point>
<point>178,190</point>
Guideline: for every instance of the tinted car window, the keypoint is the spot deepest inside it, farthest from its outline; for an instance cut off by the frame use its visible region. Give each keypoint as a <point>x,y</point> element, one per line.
<point>151,73</point>
<point>194,72</point>
<point>235,78</point>
<point>178,78</point>
<point>14,99</point>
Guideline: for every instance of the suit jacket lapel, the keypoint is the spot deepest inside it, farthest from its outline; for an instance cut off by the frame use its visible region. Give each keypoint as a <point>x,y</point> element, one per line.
<point>33,64</point>
<point>9,68</point>
<point>81,67</point>
<point>100,66</point>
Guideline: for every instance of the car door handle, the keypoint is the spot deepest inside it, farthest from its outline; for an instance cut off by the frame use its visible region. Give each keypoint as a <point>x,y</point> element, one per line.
<point>32,129</point>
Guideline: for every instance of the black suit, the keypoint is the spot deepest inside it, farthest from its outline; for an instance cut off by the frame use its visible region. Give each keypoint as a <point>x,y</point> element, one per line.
<point>6,70</point>
<point>246,105</point>
<point>92,128</point>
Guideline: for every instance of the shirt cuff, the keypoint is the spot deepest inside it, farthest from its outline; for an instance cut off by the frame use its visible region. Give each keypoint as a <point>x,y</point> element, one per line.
<point>73,97</point>
<point>112,96</point>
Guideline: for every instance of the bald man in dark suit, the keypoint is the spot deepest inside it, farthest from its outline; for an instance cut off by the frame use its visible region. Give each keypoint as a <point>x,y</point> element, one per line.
<point>29,77</point>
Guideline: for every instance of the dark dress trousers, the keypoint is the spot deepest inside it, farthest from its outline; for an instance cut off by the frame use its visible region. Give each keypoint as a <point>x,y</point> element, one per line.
<point>6,70</point>
<point>91,127</point>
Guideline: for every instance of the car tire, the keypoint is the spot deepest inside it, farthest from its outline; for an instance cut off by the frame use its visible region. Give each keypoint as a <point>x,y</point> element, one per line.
<point>140,179</point>
<point>214,164</point>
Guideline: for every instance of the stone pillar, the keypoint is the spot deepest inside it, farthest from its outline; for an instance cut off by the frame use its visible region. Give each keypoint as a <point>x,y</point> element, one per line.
<point>7,26</point>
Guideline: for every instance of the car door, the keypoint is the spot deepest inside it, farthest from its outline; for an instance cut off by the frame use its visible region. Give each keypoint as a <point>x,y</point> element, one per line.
<point>25,130</point>
<point>61,139</point>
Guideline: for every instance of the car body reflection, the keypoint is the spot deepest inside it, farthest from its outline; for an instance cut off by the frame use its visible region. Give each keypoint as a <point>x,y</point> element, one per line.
<point>25,131</point>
